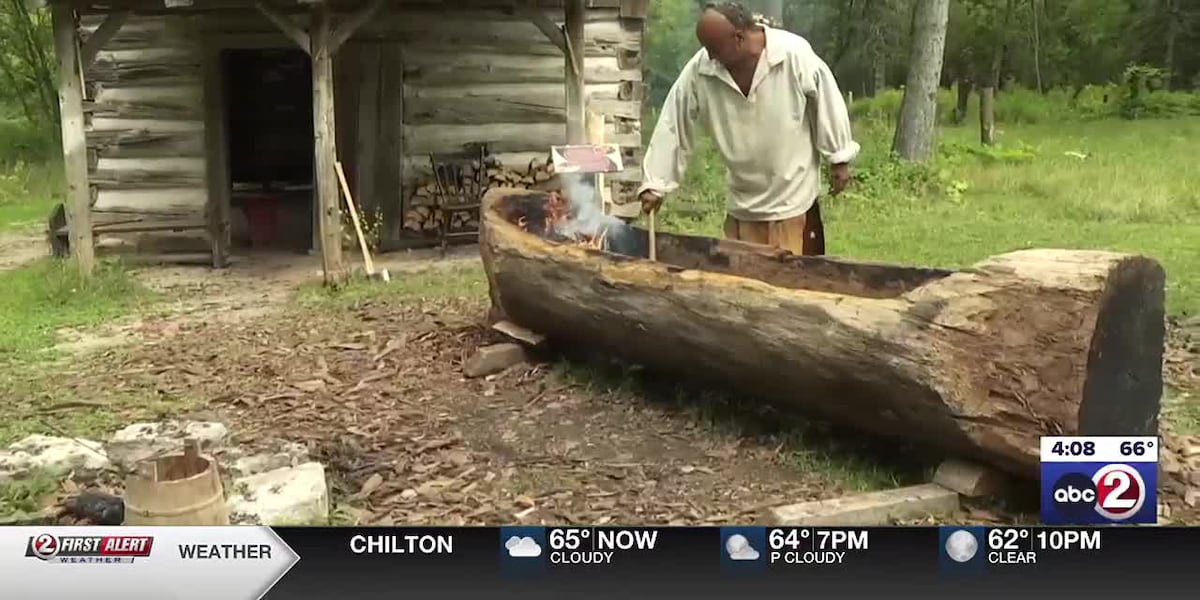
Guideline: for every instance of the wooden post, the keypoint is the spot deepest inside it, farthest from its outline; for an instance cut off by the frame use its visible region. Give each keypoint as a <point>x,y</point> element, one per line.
<point>595,134</point>
<point>216,137</point>
<point>576,92</point>
<point>78,202</point>
<point>329,218</point>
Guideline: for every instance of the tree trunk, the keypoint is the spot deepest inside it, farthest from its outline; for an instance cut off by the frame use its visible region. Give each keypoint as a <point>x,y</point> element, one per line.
<point>918,113</point>
<point>1037,45</point>
<point>987,115</point>
<point>1173,23</point>
<point>965,87</point>
<point>987,92</point>
<point>978,363</point>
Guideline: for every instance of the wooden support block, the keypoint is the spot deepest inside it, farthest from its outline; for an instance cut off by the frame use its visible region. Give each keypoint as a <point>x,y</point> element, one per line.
<point>970,479</point>
<point>493,359</point>
<point>519,333</point>
<point>873,508</point>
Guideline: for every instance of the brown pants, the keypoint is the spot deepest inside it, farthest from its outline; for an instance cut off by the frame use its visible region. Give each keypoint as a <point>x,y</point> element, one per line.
<point>804,235</point>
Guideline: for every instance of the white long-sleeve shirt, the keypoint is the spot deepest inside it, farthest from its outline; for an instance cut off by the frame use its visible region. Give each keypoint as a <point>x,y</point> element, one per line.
<point>771,140</point>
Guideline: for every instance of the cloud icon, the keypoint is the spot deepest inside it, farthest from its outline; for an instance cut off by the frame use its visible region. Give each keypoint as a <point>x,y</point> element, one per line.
<point>739,548</point>
<point>522,547</point>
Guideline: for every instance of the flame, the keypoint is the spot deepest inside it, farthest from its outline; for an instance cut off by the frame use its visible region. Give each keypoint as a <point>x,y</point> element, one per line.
<point>556,224</point>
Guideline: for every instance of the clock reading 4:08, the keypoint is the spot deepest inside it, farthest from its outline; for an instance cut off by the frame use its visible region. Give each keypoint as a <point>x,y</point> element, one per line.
<point>1074,448</point>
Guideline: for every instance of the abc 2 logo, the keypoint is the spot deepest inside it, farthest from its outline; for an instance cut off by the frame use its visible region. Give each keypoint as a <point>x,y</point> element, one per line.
<point>1113,493</point>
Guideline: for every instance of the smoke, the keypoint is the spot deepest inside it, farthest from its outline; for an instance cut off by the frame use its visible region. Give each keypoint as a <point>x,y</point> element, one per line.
<point>587,216</point>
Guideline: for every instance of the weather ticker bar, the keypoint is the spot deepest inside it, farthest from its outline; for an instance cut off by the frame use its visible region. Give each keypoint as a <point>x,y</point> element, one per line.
<point>593,562</point>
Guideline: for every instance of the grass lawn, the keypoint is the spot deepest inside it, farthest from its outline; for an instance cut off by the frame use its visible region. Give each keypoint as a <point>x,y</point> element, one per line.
<point>1137,191</point>
<point>47,295</point>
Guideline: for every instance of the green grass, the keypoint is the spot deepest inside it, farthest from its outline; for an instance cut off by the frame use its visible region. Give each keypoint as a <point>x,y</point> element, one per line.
<point>31,177</point>
<point>435,282</point>
<point>49,294</point>
<point>1137,191</point>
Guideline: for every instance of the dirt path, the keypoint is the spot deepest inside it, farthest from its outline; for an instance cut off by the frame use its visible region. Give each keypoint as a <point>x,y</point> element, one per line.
<point>20,246</point>
<point>252,286</point>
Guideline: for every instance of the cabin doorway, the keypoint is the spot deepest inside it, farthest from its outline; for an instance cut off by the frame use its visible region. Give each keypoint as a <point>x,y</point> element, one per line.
<point>268,111</point>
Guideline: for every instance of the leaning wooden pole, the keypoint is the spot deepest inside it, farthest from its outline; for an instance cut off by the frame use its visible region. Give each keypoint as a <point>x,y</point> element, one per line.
<point>977,363</point>
<point>329,216</point>
<point>78,201</point>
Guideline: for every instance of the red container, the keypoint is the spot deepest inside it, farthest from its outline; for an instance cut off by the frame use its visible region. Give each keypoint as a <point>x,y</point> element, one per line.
<point>262,215</point>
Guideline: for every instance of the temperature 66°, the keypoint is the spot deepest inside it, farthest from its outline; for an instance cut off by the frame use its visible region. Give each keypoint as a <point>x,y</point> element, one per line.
<point>568,539</point>
<point>780,539</point>
<point>1135,448</point>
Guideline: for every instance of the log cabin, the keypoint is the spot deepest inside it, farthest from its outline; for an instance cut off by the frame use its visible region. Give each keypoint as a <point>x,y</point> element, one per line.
<point>192,115</point>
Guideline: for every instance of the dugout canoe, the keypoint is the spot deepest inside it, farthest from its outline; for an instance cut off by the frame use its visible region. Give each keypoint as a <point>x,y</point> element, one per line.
<point>977,362</point>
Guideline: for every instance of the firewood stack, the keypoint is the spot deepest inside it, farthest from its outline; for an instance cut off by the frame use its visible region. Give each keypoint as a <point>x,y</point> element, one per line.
<point>423,216</point>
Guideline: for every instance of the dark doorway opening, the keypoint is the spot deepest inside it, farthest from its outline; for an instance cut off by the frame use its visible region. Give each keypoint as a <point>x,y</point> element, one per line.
<point>269,110</point>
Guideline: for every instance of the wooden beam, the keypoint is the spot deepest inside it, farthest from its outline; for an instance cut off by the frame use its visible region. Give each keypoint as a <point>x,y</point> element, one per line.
<point>329,216</point>
<point>78,202</point>
<point>287,26</point>
<point>575,14</point>
<point>552,31</point>
<point>353,23</point>
<point>216,145</point>
<point>101,36</point>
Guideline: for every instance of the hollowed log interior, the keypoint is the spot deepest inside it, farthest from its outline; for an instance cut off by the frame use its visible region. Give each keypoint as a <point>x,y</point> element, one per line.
<point>532,211</point>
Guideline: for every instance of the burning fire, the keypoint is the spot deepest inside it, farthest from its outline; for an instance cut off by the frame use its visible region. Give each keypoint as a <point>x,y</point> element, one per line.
<point>557,224</point>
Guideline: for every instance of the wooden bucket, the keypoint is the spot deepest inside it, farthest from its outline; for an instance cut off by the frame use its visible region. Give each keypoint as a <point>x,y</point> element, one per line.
<point>177,489</point>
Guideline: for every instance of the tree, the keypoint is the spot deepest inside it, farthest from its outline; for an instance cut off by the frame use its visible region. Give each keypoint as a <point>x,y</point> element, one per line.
<point>918,112</point>
<point>27,63</point>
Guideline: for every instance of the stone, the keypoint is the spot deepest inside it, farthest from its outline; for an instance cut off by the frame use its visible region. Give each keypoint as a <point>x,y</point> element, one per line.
<point>1169,464</point>
<point>287,496</point>
<point>1192,498</point>
<point>141,441</point>
<point>872,508</point>
<point>238,464</point>
<point>493,359</point>
<point>54,454</point>
<point>969,479</point>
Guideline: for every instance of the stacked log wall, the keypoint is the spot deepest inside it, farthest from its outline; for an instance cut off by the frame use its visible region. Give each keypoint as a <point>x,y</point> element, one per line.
<point>421,78</point>
<point>144,118</point>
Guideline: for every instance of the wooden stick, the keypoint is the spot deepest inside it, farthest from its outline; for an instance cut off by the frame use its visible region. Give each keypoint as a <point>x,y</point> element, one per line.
<point>653,243</point>
<point>362,240</point>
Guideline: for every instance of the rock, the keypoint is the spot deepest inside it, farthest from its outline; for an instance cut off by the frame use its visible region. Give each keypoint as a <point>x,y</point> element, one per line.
<point>493,359</point>
<point>1169,464</point>
<point>970,479</point>
<point>1192,498</point>
<point>288,496</point>
<point>141,441</point>
<point>237,463</point>
<point>53,454</point>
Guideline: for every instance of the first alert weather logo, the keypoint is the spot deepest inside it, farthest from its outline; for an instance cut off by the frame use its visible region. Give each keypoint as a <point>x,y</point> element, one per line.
<point>89,549</point>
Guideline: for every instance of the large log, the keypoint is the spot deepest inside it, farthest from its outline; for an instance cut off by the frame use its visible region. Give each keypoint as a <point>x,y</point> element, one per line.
<point>978,362</point>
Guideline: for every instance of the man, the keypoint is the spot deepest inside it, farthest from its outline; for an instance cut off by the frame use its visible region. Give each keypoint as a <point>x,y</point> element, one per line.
<point>774,110</point>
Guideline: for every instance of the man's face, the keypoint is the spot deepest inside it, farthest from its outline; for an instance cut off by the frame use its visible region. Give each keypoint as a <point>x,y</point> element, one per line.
<point>721,39</point>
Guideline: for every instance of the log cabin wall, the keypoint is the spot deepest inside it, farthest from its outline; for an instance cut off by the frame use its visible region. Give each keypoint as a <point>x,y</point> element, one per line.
<point>422,77</point>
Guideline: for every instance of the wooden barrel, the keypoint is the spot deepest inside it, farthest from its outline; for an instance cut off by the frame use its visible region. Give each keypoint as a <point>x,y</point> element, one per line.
<point>177,489</point>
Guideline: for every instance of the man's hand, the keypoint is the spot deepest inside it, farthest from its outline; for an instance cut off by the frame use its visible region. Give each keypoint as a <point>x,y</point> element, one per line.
<point>840,177</point>
<point>651,201</point>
